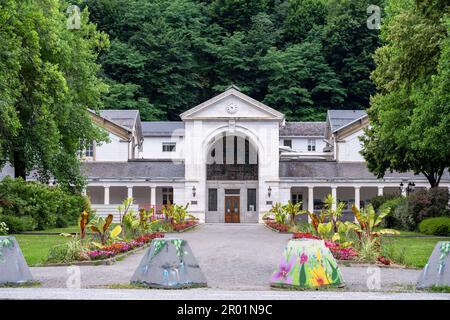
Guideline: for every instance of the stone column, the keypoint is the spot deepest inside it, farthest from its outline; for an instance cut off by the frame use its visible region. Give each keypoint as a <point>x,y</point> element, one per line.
<point>130,192</point>
<point>106,198</point>
<point>357,198</point>
<point>153,196</point>
<point>380,191</point>
<point>311,199</point>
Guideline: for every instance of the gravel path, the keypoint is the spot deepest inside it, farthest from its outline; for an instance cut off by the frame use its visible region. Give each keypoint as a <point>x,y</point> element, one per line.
<point>233,257</point>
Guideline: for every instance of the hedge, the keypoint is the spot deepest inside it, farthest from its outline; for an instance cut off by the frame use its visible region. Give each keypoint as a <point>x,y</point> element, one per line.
<point>439,226</point>
<point>26,206</point>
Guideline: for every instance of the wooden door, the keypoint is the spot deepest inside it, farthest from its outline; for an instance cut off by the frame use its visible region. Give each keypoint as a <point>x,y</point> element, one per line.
<point>232,209</point>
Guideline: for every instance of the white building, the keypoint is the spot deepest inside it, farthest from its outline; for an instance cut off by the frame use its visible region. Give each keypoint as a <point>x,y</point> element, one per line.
<point>231,158</point>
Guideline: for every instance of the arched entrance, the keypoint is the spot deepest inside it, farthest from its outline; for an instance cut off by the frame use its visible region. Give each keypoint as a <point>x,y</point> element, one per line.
<point>232,179</point>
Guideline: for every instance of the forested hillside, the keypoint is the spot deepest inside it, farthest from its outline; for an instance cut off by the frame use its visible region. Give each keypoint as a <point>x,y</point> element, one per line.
<point>301,57</point>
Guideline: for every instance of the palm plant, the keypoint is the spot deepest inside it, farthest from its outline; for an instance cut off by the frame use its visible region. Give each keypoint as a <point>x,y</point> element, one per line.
<point>293,210</point>
<point>279,213</point>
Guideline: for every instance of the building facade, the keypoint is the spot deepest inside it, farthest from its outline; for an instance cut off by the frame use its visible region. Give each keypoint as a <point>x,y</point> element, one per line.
<point>231,158</point>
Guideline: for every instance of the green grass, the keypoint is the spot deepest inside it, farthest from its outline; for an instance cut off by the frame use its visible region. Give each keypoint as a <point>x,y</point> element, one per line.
<point>35,248</point>
<point>410,251</point>
<point>72,229</point>
<point>443,289</point>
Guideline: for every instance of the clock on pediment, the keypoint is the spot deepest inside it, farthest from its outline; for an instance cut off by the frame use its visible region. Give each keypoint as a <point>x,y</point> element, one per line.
<point>231,108</point>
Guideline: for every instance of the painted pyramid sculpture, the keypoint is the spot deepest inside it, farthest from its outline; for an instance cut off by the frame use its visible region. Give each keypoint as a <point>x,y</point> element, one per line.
<point>13,267</point>
<point>169,264</point>
<point>437,270</point>
<point>307,264</point>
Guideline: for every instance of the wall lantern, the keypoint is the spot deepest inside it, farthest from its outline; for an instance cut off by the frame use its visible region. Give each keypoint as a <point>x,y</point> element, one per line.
<point>194,191</point>
<point>269,191</point>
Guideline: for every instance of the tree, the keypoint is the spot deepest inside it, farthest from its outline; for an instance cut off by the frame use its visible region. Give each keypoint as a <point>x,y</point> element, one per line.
<point>409,117</point>
<point>302,85</point>
<point>48,83</point>
<point>348,48</point>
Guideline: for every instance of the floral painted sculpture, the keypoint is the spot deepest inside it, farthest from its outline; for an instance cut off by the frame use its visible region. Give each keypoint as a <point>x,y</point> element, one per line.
<point>169,264</point>
<point>306,264</point>
<point>13,267</point>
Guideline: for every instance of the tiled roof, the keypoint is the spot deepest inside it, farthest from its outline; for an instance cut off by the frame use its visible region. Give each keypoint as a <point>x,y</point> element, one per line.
<point>161,128</point>
<point>134,169</point>
<point>303,129</point>
<point>306,170</point>
<point>340,118</point>
<point>125,118</point>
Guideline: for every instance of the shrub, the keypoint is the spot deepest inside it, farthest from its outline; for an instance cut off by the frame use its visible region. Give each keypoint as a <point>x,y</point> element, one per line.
<point>49,207</point>
<point>420,205</point>
<point>378,201</point>
<point>18,224</point>
<point>3,229</point>
<point>428,203</point>
<point>439,226</point>
<point>391,220</point>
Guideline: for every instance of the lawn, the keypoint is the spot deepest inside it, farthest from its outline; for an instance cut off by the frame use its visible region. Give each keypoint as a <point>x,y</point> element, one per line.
<point>73,229</point>
<point>35,248</point>
<point>410,251</point>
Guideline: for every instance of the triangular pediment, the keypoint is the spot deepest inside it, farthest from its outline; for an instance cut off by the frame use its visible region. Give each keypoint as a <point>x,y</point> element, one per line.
<point>232,104</point>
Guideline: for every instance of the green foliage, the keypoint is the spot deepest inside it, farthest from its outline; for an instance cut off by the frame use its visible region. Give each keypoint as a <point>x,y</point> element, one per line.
<point>296,55</point>
<point>280,215</point>
<point>3,229</point>
<point>439,226</point>
<point>100,226</point>
<point>391,220</point>
<point>410,115</point>
<point>378,201</point>
<point>368,221</point>
<point>293,210</point>
<point>72,250</point>
<point>48,82</point>
<point>44,207</point>
<point>18,224</point>
<point>407,213</point>
<point>301,82</point>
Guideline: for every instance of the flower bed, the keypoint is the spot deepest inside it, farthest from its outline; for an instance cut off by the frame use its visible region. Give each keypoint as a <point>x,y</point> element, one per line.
<point>339,252</point>
<point>184,225</point>
<point>121,246</point>
<point>277,226</point>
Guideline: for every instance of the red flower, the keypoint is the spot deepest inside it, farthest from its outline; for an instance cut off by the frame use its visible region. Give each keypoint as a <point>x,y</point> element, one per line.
<point>384,260</point>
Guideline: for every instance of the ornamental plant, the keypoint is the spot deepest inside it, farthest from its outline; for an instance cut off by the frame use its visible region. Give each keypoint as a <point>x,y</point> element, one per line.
<point>3,229</point>
<point>368,221</point>
<point>100,226</point>
<point>293,210</point>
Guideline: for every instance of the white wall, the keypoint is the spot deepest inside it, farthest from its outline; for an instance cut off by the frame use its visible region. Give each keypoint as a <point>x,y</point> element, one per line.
<point>301,144</point>
<point>152,148</point>
<point>348,150</point>
<point>116,150</point>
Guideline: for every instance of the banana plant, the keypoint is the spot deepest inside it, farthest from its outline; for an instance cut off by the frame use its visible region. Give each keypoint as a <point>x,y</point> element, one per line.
<point>333,215</point>
<point>367,221</point>
<point>179,213</point>
<point>100,226</point>
<point>293,210</point>
<point>279,213</point>
<point>84,220</point>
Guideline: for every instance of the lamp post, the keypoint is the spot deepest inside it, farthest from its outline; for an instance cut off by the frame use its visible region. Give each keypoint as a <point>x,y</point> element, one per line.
<point>410,188</point>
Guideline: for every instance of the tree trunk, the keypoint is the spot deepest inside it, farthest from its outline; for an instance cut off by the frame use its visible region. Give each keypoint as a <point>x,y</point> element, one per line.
<point>19,166</point>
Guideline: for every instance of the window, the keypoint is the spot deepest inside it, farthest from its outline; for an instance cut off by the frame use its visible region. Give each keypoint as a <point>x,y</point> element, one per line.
<point>251,199</point>
<point>168,146</point>
<point>296,198</point>
<point>89,150</point>
<point>167,196</point>
<point>212,199</point>
<point>311,144</point>
<point>287,143</point>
